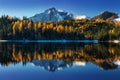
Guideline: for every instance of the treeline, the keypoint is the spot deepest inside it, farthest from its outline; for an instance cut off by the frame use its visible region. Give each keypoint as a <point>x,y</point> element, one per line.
<point>16,29</point>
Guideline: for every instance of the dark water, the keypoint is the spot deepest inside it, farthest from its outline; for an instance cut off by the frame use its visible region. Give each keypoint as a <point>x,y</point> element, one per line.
<point>59,61</point>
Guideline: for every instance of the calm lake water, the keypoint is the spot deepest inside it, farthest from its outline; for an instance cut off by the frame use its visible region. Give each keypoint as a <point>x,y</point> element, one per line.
<point>59,61</point>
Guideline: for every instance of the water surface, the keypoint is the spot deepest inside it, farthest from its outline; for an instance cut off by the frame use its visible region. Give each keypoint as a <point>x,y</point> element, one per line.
<point>59,61</point>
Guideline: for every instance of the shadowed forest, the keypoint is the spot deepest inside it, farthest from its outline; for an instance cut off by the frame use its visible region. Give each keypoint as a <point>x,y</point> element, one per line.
<point>93,29</point>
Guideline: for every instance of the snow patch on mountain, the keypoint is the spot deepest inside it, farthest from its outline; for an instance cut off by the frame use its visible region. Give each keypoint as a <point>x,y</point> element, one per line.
<point>59,10</point>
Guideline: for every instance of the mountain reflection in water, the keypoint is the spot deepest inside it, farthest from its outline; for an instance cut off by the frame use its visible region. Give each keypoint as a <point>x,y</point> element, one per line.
<point>57,56</point>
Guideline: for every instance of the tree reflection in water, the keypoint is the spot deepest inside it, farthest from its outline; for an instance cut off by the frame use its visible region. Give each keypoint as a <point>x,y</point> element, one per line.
<point>56,56</point>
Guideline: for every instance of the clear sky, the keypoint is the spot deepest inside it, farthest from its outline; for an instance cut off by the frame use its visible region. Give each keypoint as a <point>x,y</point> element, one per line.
<point>29,8</point>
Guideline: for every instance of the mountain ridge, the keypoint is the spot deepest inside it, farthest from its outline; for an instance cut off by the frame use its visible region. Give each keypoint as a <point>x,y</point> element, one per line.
<point>106,15</point>
<point>51,14</point>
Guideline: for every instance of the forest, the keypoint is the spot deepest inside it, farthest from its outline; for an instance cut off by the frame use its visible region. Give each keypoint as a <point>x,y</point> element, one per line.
<point>79,29</point>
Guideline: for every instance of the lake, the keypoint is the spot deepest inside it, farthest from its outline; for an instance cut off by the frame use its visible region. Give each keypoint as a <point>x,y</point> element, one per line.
<point>59,61</point>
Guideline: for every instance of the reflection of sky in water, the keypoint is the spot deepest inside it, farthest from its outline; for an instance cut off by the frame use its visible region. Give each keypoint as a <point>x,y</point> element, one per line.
<point>30,72</point>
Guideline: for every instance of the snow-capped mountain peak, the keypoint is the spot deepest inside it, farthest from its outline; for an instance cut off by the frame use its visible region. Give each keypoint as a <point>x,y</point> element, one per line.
<point>50,10</point>
<point>52,14</point>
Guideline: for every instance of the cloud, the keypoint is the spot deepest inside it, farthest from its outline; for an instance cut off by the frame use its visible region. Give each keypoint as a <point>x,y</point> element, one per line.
<point>117,62</point>
<point>79,63</point>
<point>117,19</point>
<point>80,17</point>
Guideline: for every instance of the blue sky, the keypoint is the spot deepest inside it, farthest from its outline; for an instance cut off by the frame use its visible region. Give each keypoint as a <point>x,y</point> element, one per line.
<point>28,8</point>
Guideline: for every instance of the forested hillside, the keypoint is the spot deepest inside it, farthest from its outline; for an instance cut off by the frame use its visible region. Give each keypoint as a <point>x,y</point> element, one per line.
<point>16,29</point>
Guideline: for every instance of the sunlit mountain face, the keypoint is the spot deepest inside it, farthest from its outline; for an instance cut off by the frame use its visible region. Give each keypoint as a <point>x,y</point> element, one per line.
<point>58,56</point>
<point>52,14</point>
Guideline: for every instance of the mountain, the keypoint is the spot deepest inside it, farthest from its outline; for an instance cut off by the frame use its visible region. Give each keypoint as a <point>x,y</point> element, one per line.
<point>106,15</point>
<point>53,65</point>
<point>51,14</point>
<point>107,65</point>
